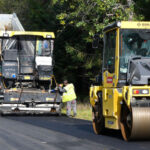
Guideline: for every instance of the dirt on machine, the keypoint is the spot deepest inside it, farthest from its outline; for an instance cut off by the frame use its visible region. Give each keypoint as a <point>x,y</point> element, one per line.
<point>120,98</point>
<point>27,82</point>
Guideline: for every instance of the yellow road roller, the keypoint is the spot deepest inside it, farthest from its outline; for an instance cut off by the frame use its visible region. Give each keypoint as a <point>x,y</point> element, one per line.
<point>120,98</point>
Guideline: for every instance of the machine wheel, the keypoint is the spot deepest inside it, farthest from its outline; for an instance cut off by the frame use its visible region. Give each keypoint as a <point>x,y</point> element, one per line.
<point>135,123</point>
<point>125,123</point>
<point>98,118</point>
<point>59,111</point>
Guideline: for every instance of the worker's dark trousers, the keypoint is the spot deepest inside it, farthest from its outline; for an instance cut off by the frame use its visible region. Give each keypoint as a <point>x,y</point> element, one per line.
<point>71,105</point>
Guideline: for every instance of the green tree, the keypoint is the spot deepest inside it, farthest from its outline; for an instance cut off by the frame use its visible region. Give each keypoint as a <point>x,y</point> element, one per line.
<point>75,22</point>
<point>141,9</point>
<point>79,21</point>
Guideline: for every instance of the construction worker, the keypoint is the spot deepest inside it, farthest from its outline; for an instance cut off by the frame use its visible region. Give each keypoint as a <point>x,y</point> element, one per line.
<point>69,96</point>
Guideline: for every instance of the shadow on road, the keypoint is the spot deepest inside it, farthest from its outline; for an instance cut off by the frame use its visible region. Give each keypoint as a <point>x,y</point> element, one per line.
<point>71,126</point>
<point>81,129</point>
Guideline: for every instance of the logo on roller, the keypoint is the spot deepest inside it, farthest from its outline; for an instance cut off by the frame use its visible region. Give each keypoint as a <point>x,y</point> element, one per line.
<point>109,80</point>
<point>138,24</point>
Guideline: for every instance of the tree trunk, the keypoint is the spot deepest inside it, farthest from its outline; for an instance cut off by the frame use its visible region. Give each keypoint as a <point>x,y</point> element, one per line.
<point>130,2</point>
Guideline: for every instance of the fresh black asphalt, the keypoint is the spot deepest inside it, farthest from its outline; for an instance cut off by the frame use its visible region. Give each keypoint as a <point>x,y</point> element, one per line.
<point>59,133</point>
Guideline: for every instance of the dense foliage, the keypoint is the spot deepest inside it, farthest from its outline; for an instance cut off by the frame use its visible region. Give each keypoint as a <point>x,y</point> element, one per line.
<point>75,22</point>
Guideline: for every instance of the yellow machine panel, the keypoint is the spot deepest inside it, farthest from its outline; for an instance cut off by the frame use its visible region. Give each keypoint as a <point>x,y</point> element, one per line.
<point>93,94</point>
<point>13,33</point>
<point>109,79</point>
<point>134,25</point>
<point>111,107</point>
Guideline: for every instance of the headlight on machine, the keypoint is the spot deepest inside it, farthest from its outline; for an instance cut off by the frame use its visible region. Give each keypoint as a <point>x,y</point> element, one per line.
<point>48,36</point>
<point>141,91</point>
<point>145,92</point>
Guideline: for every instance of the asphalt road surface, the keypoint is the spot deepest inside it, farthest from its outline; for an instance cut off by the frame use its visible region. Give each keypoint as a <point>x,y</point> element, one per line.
<point>59,133</point>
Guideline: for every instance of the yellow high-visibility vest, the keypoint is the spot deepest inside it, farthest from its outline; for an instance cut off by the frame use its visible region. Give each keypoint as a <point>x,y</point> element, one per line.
<point>70,94</point>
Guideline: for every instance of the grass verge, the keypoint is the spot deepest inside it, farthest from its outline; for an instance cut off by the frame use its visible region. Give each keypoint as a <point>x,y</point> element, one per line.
<point>84,111</point>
